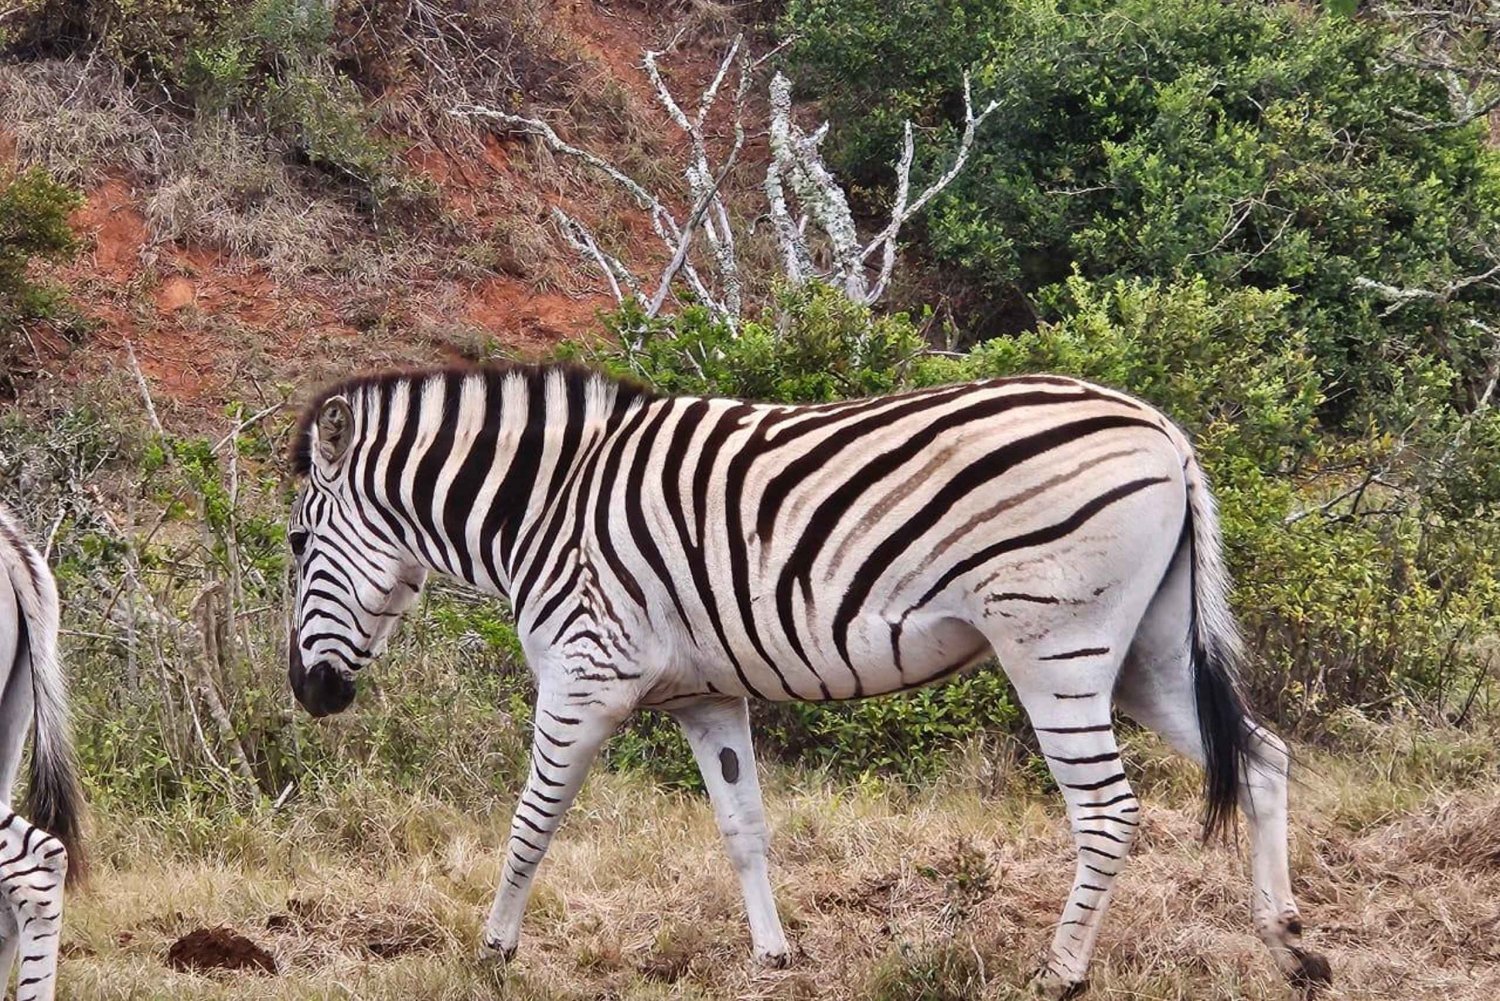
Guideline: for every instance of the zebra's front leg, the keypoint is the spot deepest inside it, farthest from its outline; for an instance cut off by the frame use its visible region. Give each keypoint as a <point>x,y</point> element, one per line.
<point>719,732</point>
<point>33,868</point>
<point>566,737</point>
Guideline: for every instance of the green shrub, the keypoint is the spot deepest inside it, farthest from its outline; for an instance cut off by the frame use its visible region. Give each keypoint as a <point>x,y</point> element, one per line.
<point>34,213</point>
<point>1252,144</point>
<point>814,345</point>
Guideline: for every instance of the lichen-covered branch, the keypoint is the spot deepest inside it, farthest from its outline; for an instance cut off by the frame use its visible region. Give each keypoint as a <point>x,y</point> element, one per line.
<point>818,191</point>
<point>798,186</point>
<point>1399,297</point>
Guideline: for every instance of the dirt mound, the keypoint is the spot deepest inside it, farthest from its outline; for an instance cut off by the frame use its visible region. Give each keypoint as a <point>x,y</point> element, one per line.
<point>218,949</point>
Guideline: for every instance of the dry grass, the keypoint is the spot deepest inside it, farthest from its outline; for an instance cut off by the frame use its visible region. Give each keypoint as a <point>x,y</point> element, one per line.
<point>79,120</point>
<point>227,189</point>
<point>886,894</point>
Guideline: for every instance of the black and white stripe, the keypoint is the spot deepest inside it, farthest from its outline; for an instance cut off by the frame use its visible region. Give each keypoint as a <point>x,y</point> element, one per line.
<point>35,854</point>
<point>688,554</point>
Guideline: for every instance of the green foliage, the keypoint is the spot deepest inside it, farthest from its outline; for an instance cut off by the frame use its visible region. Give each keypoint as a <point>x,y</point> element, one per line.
<point>910,736</point>
<point>1250,144</point>
<point>814,346</point>
<point>653,744</point>
<point>1234,360</point>
<point>34,226</point>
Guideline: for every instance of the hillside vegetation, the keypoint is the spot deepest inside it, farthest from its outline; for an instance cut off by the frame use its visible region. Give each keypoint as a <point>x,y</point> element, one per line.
<point>1280,222</point>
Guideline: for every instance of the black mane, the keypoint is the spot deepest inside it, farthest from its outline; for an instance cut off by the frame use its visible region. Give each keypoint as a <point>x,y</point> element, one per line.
<point>626,392</point>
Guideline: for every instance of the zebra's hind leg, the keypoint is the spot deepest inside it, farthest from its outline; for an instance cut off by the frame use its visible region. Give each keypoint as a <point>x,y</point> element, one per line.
<point>719,732</point>
<point>1157,690</point>
<point>566,737</point>
<point>1065,687</point>
<point>33,868</point>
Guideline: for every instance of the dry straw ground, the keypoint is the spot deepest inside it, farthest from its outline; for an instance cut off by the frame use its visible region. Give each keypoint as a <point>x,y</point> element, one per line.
<point>888,894</point>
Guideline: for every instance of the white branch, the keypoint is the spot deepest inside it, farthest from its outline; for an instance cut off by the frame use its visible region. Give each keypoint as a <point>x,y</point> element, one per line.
<point>817,190</point>
<point>885,240</point>
<point>796,262</point>
<point>1399,297</point>
<point>709,212</point>
<point>582,240</point>
<point>661,219</point>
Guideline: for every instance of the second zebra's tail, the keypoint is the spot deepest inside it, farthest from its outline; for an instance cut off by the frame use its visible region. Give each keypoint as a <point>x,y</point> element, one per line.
<point>55,794</point>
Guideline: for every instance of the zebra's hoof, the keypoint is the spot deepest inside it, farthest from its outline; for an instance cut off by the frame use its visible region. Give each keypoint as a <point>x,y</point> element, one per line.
<point>1312,971</point>
<point>1049,987</point>
<point>491,951</point>
<point>774,960</point>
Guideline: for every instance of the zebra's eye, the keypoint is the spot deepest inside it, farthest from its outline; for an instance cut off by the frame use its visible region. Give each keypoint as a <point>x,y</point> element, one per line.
<point>298,539</point>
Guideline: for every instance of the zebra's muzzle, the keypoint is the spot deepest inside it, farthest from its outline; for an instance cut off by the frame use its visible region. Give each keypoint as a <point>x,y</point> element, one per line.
<point>321,689</point>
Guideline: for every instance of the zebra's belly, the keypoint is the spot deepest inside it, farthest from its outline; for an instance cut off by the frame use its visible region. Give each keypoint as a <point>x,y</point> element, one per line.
<point>883,657</point>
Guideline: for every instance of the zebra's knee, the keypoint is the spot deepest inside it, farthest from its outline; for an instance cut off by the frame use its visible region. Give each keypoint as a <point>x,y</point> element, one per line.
<point>747,845</point>
<point>1269,760</point>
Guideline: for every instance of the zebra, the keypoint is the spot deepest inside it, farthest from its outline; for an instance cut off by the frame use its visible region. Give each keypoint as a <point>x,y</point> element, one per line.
<point>687,554</point>
<point>38,856</point>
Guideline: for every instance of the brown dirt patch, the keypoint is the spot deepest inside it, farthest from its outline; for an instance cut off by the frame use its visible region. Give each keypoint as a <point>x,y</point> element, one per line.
<point>526,319</point>
<point>112,218</point>
<point>175,293</point>
<point>218,949</point>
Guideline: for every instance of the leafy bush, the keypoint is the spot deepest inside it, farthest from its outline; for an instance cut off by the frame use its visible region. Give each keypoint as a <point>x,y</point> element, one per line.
<point>815,345</point>
<point>1254,145</point>
<point>34,226</point>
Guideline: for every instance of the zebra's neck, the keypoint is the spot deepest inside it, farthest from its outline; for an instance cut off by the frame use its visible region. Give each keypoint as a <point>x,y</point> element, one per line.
<point>469,471</point>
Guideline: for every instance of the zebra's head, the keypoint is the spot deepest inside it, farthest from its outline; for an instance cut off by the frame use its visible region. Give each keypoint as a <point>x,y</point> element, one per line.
<point>353,581</point>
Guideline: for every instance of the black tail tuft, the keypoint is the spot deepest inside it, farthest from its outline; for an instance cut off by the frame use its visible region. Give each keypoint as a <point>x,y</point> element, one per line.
<point>55,804</point>
<point>1222,721</point>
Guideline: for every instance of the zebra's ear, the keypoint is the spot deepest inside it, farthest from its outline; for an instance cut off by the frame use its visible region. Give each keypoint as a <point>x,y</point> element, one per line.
<point>335,430</point>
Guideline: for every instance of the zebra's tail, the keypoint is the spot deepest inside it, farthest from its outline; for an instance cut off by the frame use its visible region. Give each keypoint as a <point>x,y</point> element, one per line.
<point>54,795</point>
<point>1217,651</point>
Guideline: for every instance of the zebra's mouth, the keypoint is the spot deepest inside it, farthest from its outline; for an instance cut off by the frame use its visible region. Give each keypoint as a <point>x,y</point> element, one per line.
<point>324,690</point>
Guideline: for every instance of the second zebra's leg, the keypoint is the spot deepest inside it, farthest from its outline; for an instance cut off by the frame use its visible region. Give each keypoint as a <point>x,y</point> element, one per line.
<point>9,940</point>
<point>719,732</point>
<point>1065,690</point>
<point>566,737</point>
<point>33,868</point>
